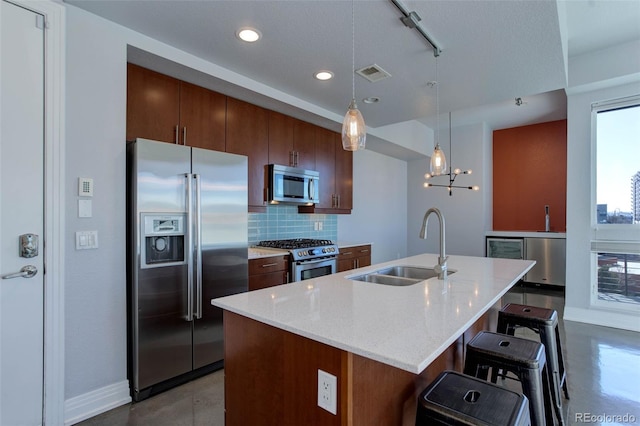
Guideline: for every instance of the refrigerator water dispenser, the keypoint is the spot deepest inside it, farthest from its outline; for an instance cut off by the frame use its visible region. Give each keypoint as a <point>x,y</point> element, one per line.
<point>163,240</point>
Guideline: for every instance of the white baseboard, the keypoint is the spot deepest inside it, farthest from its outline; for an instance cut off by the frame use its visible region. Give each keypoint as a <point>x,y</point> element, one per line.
<point>92,403</point>
<point>604,318</point>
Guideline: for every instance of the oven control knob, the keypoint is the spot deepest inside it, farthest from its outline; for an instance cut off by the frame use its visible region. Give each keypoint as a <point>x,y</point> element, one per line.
<point>299,253</point>
<point>311,252</point>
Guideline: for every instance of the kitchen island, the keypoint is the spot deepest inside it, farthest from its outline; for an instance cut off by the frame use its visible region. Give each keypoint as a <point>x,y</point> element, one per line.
<point>383,343</point>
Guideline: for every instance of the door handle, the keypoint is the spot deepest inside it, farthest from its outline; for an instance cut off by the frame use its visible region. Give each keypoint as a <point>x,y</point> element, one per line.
<point>26,272</point>
<point>28,245</point>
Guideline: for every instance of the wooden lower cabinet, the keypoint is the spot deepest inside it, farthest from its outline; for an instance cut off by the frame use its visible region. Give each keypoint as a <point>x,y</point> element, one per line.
<point>271,379</point>
<point>268,272</point>
<point>354,257</point>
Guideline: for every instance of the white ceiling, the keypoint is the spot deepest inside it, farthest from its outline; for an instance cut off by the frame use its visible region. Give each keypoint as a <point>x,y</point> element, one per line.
<point>492,51</point>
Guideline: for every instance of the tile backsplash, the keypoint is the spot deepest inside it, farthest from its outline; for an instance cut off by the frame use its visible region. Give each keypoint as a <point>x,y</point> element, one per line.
<point>284,222</point>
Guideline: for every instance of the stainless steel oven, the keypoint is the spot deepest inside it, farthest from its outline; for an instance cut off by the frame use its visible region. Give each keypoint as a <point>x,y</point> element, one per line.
<point>310,258</point>
<point>307,269</point>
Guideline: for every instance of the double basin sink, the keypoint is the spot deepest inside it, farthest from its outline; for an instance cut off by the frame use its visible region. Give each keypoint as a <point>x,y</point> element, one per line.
<point>398,275</point>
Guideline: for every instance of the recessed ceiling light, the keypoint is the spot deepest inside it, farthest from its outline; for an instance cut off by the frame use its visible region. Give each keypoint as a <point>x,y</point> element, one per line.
<point>248,34</point>
<point>371,100</point>
<point>323,75</point>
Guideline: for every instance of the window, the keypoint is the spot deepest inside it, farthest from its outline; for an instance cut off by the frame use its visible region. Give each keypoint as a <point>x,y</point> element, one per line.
<point>618,165</point>
<point>616,218</point>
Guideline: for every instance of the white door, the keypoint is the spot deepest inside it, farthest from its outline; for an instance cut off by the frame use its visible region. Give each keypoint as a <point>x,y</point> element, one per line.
<point>21,212</point>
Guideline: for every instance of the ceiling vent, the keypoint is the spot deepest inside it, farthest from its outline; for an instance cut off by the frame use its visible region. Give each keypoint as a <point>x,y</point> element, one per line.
<point>373,73</point>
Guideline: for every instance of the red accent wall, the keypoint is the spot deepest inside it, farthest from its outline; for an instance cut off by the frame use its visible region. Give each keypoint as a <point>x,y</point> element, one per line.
<point>529,172</point>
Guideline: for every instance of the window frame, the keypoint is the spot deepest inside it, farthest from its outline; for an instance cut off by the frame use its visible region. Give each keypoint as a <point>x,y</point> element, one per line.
<point>607,237</point>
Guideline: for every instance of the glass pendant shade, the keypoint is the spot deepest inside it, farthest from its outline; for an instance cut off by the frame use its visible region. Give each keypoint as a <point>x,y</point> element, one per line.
<point>354,132</point>
<point>438,163</point>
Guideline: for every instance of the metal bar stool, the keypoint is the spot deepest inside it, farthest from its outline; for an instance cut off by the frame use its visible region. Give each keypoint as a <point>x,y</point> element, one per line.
<point>522,357</point>
<point>545,323</point>
<point>457,399</point>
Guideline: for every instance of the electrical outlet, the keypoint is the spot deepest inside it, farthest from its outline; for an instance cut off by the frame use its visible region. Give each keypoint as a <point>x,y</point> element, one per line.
<point>319,226</point>
<point>327,391</point>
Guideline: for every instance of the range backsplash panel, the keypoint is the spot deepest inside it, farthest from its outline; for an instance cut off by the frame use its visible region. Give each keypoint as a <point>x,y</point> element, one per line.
<point>284,222</point>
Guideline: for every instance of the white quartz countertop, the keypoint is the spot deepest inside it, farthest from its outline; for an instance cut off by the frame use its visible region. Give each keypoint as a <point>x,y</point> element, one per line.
<point>259,252</point>
<point>526,234</point>
<point>345,244</point>
<point>405,327</point>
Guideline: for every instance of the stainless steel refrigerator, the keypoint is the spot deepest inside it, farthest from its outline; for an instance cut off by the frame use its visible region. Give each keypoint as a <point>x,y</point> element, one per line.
<point>187,229</point>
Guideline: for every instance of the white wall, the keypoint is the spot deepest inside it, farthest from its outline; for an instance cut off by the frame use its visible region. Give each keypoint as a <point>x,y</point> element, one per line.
<point>95,357</point>
<point>466,212</point>
<point>593,83</point>
<point>379,214</point>
<point>95,292</point>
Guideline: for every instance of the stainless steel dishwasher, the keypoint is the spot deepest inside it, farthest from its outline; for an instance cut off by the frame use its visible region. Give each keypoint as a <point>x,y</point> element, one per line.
<point>550,257</point>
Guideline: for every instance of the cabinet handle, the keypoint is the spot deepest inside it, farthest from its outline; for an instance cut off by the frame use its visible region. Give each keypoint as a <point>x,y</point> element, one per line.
<point>184,135</point>
<point>346,253</point>
<point>177,136</point>
<point>291,159</point>
<point>266,265</point>
<point>364,251</point>
<point>338,203</point>
<point>296,156</point>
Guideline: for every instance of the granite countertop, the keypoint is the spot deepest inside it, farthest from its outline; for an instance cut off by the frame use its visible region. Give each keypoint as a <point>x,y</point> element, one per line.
<point>405,327</point>
<point>527,234</point>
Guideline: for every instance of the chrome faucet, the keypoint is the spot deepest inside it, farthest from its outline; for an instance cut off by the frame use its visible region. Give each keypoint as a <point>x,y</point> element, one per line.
<point>441,267</point>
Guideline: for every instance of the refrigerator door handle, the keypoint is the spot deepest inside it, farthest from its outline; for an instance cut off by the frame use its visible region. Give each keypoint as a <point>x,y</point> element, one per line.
<point>189,247</point>
<point>198,231</point>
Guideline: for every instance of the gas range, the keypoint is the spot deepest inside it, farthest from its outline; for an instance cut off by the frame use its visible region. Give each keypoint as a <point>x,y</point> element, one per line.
<point>304,248</point>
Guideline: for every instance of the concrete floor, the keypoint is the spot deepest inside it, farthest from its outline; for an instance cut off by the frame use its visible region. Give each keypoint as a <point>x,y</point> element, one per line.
<point>603,373</point>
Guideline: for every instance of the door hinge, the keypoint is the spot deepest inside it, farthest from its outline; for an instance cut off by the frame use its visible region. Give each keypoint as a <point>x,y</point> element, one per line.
<point>41,23</point>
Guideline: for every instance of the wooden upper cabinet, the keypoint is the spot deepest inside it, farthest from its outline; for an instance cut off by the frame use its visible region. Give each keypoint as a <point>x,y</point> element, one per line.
<point>304,145</point>
<point>336,175</point>
<point>344,176</point>
<point>291,141</point>
<point>247,134</point>
<point>202,117</point>
<point>165,109</point>
<point>326,166</point>
<point>280,139</point>
<point>153,105</point>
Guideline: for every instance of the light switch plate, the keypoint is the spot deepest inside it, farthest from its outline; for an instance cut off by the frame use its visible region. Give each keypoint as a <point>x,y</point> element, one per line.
<point>84,208</point>
<point>86,240</point>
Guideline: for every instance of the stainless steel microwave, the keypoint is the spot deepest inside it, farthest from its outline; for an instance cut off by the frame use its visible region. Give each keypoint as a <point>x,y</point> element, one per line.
<point>292,185</point>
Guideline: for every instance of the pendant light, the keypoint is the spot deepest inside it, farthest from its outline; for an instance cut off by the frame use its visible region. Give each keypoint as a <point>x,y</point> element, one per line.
<point>452,174</point>
<point>438,164</point>
<point>354,132</point>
